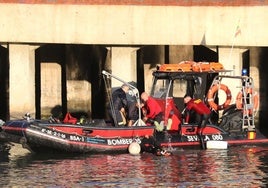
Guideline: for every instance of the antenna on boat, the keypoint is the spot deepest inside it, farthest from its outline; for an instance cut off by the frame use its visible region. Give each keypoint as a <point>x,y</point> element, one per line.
<point>139,122</point>
<point>237,32</point>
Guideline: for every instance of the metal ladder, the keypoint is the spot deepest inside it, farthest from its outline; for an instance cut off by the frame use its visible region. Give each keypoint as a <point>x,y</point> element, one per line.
<point>248,104</point>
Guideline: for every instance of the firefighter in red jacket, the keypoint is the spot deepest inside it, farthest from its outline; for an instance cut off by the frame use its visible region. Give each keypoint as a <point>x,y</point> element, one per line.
<point>151,109</point>
<point>201,109</point>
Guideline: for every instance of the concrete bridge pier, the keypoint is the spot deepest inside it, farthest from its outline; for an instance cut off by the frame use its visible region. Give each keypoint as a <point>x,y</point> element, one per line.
<point>124,64</point>
<point>22,80</point>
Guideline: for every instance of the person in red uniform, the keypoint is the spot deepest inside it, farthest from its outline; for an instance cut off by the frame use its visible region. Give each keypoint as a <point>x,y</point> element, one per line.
<point>201,109</point>
<point>152,110</point>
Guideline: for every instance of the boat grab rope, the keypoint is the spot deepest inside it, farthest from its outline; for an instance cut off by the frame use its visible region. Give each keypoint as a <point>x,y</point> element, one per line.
<point>23,131</point>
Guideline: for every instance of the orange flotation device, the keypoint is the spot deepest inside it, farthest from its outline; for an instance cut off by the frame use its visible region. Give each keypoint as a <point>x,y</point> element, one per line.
<point>239,100</point>
<point>211,94</point>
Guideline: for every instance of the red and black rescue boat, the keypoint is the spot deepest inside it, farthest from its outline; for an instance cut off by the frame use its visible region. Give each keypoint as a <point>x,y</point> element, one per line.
<point>232,121</point>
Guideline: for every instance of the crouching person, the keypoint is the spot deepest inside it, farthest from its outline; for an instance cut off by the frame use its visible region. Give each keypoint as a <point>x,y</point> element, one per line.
<point>152,111</point>
<point>202,110</point>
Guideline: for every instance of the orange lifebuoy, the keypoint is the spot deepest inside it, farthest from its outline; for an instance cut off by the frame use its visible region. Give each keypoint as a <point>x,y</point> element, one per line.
<point>211,93</point>
<point>255,97</point>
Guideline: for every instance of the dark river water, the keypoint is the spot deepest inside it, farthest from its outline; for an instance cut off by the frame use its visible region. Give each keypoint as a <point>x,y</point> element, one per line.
<point>234,167</point>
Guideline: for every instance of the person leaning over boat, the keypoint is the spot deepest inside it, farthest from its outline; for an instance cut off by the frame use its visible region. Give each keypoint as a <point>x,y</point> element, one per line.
<point>132,108</point>
<point>201,109</point>
<point>151,110</point>
<point>120,103</point>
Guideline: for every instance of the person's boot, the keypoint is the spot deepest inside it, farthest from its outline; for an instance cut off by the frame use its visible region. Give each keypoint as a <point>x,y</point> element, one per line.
<point>202,142</point>
<point>169,124</point>
<point>130,123</point>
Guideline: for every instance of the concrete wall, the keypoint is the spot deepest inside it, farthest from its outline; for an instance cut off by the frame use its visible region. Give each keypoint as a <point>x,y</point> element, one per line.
<point>133,25</point>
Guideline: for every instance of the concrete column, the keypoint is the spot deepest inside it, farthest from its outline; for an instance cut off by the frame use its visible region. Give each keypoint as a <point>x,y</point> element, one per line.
<point>232,60</point>
<point>123,64</point>
<point>22,80</point>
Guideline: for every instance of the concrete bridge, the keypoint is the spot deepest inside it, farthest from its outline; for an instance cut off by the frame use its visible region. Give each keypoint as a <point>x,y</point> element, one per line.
<point>53,51</point>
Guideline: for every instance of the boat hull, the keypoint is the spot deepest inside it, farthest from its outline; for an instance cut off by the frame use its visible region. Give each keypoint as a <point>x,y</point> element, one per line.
<point>100,137</point>
<point>97,138</point>
<point>188,137</point>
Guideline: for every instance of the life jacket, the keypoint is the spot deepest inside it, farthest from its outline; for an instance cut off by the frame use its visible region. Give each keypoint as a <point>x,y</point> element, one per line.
<point>69,119</point>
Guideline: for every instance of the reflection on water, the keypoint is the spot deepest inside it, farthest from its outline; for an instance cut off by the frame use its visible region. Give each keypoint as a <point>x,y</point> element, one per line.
<point>238,166</point>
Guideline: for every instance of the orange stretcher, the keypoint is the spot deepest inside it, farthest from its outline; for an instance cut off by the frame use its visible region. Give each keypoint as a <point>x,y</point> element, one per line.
<point>207,66</point>
<point>191,66</point>
<point>216,66</point>
<point>184,66</point>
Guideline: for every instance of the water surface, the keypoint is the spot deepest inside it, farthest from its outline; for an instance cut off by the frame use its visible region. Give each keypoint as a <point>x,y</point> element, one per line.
<point>234,167</point>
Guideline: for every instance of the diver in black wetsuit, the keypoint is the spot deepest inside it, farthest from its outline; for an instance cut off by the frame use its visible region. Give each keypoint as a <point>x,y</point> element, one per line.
<point>150,145</point>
